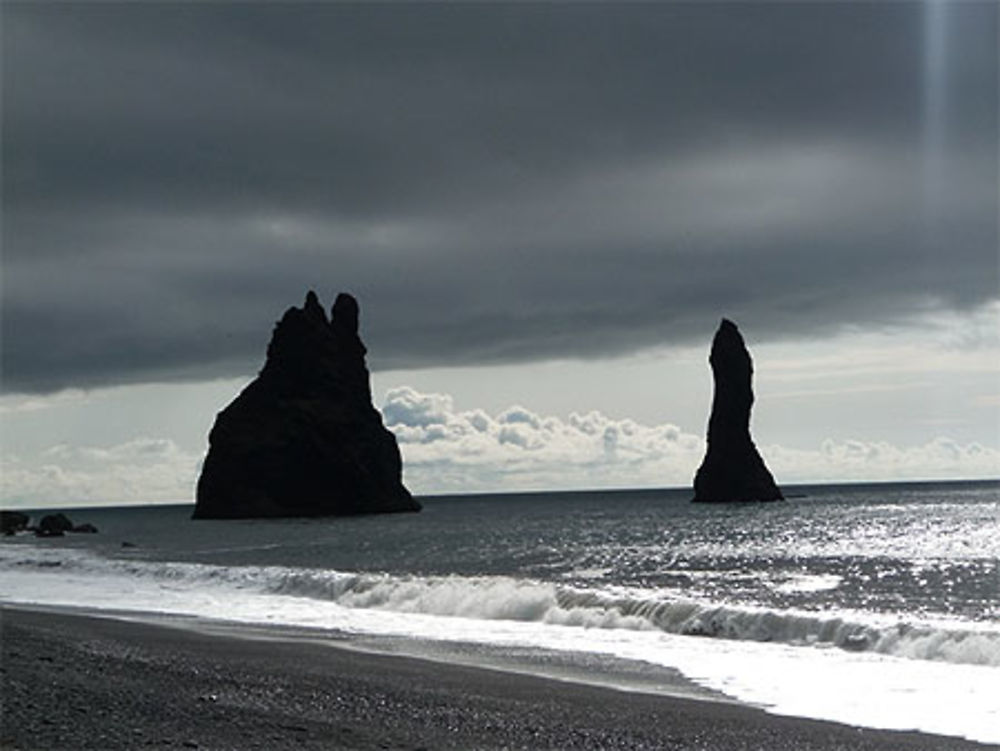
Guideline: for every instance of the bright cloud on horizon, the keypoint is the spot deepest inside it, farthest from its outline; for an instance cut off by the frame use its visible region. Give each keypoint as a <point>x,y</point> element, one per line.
<point>142,471</point>
<point>450,450</point>
<point>447,449</point>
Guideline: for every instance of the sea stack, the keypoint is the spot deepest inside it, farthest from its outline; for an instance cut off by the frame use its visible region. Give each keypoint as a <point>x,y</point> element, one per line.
<point>732,469</point>
<point>303,439</point>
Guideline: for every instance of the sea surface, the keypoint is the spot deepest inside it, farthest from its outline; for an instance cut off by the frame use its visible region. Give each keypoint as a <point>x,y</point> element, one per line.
<point>875,605</point>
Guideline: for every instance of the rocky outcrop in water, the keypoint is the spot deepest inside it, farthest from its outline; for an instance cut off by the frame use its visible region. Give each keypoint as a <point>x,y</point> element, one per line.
<point>52,525</point>
<point>732,469</point>
<point>13,521</point>
<point>303,439</point>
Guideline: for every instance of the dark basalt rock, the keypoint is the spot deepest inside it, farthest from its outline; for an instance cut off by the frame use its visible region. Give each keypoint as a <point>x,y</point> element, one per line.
<point>53,525</point>
<point>732,469</point>
<point>303,439</point>
<point>13,521</point>
<point>57,525</point>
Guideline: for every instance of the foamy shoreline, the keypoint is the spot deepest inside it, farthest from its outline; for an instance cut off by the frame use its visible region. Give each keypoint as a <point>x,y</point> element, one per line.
<point>80,681</point>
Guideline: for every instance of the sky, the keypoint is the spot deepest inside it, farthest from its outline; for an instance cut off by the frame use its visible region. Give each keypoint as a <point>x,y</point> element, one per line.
<point>543,209</point>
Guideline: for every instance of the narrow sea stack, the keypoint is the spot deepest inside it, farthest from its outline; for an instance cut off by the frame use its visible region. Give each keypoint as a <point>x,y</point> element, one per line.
<point>303,439</point>
<point>732,469</point>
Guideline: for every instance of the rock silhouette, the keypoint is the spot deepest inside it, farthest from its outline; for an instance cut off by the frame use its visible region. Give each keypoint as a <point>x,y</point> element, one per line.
<point>303,439</point>
<point>13,521</point>
<point>54,525</point>
<point>732,469</point>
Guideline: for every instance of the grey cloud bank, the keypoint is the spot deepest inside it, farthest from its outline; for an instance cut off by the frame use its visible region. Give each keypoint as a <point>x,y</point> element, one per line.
<point>496,183</point>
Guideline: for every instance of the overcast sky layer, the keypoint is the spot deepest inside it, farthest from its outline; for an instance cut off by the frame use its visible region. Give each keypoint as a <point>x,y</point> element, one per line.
<point>496,182</point>
<point>543,207</point>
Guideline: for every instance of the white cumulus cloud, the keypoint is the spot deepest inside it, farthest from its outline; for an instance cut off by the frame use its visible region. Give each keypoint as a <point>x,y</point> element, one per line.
<point>466,450</point>
<point>140,471</point>
<point>446,449</point>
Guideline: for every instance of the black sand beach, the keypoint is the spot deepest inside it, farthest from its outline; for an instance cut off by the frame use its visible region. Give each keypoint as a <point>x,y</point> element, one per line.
<point>81,682</point>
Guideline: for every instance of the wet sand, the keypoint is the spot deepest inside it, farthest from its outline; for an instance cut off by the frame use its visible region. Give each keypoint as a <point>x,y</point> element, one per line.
<point>80,682</point>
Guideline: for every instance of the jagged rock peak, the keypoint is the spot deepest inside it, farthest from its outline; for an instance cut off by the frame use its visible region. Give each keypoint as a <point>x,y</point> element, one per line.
<point>303,438</point>
<point>729,351</point>
<point>728,337</point>
<point>344,313</point>
<point>313,309</point>
<point>732,470</point>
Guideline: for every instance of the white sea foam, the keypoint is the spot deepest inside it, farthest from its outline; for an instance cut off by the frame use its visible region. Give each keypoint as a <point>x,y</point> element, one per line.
<point>809,583</point>
<point>766,657</point>
<point>499,598</point>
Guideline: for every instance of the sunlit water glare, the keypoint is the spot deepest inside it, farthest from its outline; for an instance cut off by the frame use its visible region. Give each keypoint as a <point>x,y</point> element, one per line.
<point>837,601</point>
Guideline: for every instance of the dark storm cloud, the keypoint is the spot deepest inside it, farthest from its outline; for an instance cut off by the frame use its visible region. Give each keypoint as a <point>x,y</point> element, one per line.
<point>496,183</point>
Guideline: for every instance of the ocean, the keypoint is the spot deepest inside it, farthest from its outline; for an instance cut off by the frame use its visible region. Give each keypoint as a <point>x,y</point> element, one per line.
<point>873,605</point>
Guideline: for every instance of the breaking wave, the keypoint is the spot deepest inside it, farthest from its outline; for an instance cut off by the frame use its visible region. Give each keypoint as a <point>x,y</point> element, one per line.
<point>511,599</point>
<point>500,598</point>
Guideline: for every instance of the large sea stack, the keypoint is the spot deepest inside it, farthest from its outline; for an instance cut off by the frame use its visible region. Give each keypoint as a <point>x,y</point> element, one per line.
<point>732,469</point>
<point>303,439</point>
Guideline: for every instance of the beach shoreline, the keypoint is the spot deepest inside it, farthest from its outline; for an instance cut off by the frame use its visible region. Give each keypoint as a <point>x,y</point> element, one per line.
<point>96,682</point>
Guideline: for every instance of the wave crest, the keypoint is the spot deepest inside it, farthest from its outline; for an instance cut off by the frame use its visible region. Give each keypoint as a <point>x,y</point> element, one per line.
<point>508,598</point>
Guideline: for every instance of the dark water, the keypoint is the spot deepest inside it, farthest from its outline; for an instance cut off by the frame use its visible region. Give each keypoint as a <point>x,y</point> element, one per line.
<point>908,573</point>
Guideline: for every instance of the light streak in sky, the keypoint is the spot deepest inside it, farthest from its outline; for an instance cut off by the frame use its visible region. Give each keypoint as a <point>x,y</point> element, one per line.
<point>935,109</point>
